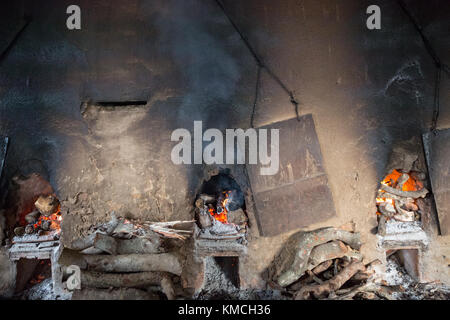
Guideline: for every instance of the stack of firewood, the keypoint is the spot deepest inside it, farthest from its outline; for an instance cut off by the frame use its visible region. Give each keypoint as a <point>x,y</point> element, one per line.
<point>132,260</point>
<point>326,264</point>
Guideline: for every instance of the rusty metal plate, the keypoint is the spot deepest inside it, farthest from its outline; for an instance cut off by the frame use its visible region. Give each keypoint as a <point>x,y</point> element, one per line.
<point>298,195</point>
<point>437,151</point>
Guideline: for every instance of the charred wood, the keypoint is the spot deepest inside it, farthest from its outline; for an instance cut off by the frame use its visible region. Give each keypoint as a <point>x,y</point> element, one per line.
<point>297,255</point>
<point>327,251</point>
<point>405,194</point>
<point>47,205</point>
<point>321,290</point>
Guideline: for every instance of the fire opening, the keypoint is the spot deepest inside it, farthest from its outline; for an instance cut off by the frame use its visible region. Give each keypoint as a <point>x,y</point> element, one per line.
<point>223,198</point>
<point>31,272</point>
<point>408,259</point>
<point>220,212</point>
<point>398,194</point>
<point>32,207</point>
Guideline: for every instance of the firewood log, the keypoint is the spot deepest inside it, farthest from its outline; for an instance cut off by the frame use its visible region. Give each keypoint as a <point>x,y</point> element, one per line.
<point>207,198</point>
<point>387,209</point>
<point>297,255</point>
<point>204,218</point>
<point>165,262</point>
<point>322,267</point>
<point>102,280</point>
<point>115,294</point>
<point>105,243</point>
<point>83,243</point>
<point>368,272</point>
<point>381,230</point>
<point>86,242</point>
<point>405,194</point>
<point>19,231</point>
<point>321,290</point>
<point>91,250</point>
<point>327,251</point>
<point>403,215</point>
<point>382,291</point>
<point>168,288</point>
<point>47,205</point>
<point>32,216</point>
<point>348,294</point>
<point>139,245</point>
<point>317,270</point>
<point>402,180</point>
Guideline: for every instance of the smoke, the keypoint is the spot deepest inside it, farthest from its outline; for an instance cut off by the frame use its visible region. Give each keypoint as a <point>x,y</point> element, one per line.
<point>200,40</point>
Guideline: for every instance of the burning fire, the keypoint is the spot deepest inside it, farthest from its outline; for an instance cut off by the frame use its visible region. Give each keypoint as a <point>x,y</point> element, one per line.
<point>410,185</point>
<point>38,279</point>
<point>221,214</point>
<point>55,220</point>
<point>391,180</point>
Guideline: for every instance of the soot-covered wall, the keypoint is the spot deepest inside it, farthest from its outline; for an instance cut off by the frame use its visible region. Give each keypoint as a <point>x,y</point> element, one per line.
<point>365,89</point>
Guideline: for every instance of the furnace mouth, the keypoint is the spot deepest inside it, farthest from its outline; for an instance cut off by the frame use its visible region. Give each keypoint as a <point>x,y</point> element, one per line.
<point>32,210</point>
<point>220,207</point>
<point>399,194</point>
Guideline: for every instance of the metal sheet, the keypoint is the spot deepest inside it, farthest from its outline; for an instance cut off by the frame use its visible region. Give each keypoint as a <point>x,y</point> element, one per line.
<point>437,151</point>
<point>298,195</point>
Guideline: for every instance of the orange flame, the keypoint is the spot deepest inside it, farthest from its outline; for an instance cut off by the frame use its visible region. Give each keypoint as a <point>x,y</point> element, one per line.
<point>410,185</point>
<point>222,216</point>
<point>391,180</point>
<point>55,220</point>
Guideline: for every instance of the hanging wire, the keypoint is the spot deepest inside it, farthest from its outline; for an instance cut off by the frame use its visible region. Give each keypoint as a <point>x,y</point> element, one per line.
<point>261,65</point>
<point>16,37</point>
<point>255,101</point>
<point>436,101</point>
<point>437,62</point>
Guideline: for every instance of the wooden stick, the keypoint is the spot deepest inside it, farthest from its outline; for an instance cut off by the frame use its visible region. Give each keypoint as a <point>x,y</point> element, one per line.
<point>92,279</point>
<point>163,228</point>
<point>331,285</point>
<point>168,288</point>
<point>405,194</point>
<point>105,243</point>
<point>138,245</point>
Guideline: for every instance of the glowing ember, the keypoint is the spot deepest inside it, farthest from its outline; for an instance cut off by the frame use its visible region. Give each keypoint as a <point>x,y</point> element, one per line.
<point>38,279</point>
<point>410,185</point>
<point>55,221</point>
<point>391,180</point>
<point>221,214</point>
